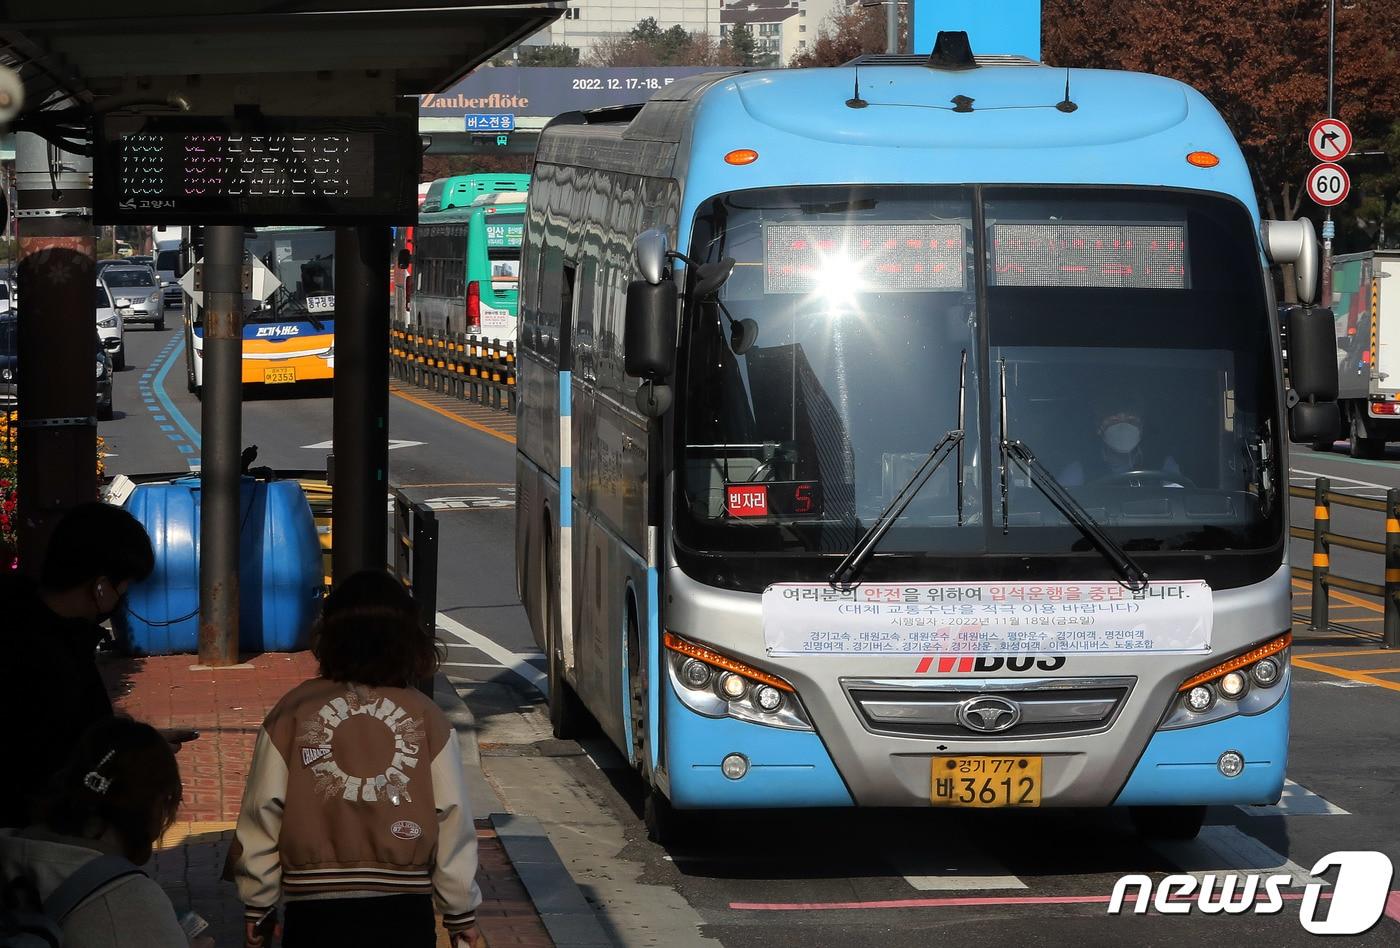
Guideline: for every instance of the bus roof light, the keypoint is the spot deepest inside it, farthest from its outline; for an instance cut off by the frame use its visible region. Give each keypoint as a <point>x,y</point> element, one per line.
<point>741,156</point>
<point>1203,159</point>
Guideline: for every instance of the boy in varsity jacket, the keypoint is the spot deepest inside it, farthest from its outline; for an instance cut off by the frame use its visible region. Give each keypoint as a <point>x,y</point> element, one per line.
<point>356,809</point>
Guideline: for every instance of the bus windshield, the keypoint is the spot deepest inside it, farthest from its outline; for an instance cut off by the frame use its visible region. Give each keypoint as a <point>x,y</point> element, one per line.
<point>304,261</point>
<point>1125,331</point>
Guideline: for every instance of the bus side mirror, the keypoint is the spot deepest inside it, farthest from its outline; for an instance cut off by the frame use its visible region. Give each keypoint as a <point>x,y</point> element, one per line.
<point>651,250</point>
<point>405,258</point>
<point>1295,242</point>
<point>649,342</point>
<point>1312,374</point>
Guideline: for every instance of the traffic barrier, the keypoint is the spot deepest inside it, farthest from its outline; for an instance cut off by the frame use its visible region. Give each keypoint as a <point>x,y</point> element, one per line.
<point>472,368</point>
<point>1321,575</point>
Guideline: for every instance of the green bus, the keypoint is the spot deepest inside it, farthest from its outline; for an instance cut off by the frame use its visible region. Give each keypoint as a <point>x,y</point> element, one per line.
<point>466,266</point>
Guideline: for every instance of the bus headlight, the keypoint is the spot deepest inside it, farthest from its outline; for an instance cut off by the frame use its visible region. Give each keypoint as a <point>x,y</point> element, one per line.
<point>1223,690</point>
<point>717,686</point>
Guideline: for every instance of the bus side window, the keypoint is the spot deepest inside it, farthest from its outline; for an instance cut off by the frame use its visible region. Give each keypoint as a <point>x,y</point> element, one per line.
<point>566,318</point>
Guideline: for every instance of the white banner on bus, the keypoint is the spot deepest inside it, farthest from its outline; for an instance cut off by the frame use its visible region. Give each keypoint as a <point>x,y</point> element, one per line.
<point>986,618</point>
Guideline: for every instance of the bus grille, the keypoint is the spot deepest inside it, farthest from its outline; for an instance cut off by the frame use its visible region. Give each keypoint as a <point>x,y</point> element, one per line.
<point>1049,707</point>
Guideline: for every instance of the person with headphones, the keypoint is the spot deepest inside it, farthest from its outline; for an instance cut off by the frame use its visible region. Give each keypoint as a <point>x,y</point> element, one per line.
<point>49,634</point>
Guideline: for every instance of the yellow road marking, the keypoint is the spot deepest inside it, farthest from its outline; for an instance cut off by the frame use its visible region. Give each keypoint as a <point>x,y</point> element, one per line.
<point>1346,673</point>
<point>1342,597</point>
<point>486,429</point>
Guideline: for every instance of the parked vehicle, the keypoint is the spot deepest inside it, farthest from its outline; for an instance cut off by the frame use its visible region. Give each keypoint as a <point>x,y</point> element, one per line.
<point>5,302</point>
<point>1366,310</point>
<point>9,368</point>
<point>137,289</point>
<point>110,328</point>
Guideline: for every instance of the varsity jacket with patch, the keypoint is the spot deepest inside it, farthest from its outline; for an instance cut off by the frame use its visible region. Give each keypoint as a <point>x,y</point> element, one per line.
<point>357,791</point>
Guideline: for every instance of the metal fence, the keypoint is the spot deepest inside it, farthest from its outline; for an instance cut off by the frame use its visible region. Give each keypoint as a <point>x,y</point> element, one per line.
<point>1320,574</point>
<point>472,368</point>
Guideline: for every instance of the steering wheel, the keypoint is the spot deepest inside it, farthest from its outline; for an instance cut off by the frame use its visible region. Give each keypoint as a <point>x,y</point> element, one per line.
<point>1146,477</point>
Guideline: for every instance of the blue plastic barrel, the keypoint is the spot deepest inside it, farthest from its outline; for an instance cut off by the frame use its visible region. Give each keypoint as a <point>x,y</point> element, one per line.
<point>280,577</point>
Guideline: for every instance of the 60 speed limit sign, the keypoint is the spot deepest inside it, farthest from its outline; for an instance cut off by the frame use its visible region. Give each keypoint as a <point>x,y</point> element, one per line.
<point>1328,184</point>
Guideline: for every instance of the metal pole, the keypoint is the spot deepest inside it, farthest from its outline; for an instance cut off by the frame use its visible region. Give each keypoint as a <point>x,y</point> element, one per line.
<point>361,422</point>
<point>57,340</point>
<point>221,435</point>
<point>1321,565</point>
<point>1392,568</point>
<point>891,26</point>
<point>1329,229</point>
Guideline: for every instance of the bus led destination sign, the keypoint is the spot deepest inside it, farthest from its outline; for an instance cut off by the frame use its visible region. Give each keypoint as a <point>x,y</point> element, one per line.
<point>250,171</point>
<point>986,618</point>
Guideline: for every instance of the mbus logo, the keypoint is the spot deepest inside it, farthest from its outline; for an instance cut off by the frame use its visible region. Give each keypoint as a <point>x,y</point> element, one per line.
<point>965,664</point>
<point>746,500</point>
<point>1358,898</point>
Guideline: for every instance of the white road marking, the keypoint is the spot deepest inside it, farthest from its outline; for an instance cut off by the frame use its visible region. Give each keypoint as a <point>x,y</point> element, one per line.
<point>951,866</point>
<point>394,445</point>
<point>511,660</point>
<point>1221,849</point>
<point>1297,800</point>
<point>1338,477</point>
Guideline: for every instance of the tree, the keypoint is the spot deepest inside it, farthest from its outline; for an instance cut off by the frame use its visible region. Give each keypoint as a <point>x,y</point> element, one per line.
<point>849,32</point>
<point>742,43</point>
<point>647,44</point>
<point>445,166</point>
<point>555,54</point>
<point>1262,63</point>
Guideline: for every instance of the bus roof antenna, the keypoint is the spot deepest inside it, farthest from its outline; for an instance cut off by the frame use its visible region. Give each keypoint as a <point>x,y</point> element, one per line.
<point>1067,105</point>
<point>952,52</point>
<point>855,101</point>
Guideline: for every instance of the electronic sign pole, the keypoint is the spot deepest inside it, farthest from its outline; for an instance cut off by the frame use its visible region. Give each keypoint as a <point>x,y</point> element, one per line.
<point>221,433</point>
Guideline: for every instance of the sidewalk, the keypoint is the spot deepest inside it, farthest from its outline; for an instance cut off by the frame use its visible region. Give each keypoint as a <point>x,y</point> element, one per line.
<point>227,706</point>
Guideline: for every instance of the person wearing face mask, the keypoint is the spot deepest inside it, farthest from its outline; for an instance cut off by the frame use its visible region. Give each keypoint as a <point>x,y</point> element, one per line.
<point>1119,451</point>
<point>49,632</point>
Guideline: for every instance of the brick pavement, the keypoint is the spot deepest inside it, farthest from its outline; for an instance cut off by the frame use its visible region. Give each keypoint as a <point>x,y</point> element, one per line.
<point>226,706</point>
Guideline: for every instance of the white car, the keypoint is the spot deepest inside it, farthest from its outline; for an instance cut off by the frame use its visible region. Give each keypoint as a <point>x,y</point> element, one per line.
<point>110,329</point>
<point>136,288</point>
<point>7,302</point>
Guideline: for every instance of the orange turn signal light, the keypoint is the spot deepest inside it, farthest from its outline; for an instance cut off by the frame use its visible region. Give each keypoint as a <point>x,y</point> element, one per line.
<point>741,156</point>
<point>1271,647</point>
<point>710,657</point>
<point>1203,159</point>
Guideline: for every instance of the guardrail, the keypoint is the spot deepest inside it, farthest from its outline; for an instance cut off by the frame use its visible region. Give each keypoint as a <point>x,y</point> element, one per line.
<point>1320,574</point>
<point>472,368</point>
<point>416,560</point>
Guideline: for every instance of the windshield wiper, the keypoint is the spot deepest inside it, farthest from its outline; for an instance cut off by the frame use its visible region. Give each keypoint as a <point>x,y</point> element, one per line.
<point>853,562</point>
<point>1134,576</point>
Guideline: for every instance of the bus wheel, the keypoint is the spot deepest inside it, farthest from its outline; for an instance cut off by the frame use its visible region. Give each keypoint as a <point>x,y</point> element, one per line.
<point>1323,446</point>
<point>566,712</point>
<point>666,826</point>
<point>1168,822</point>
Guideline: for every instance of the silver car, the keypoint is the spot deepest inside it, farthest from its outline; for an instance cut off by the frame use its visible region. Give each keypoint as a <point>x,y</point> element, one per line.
<point>136,293</point>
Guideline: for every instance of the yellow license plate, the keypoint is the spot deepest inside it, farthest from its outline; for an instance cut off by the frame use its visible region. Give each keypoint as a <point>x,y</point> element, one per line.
<point>282,374</point>
<point>986,782</point>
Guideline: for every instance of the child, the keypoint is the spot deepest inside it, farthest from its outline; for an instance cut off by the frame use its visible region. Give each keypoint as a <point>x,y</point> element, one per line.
<point>356,807</point>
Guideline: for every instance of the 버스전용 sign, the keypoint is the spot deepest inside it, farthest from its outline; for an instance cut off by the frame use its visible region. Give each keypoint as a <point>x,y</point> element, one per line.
<point>986,618</point>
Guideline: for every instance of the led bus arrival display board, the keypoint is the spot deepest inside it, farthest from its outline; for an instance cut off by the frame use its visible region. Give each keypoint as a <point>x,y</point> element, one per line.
<point>258,170</point>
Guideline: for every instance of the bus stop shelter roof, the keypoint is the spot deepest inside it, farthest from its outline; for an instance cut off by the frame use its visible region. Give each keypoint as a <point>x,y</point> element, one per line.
<point>76,52</point>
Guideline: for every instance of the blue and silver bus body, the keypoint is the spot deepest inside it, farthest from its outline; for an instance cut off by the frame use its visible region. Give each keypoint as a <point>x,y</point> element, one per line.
<point>607,548</point>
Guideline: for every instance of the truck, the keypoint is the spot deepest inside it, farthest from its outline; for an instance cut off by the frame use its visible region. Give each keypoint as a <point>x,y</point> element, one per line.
<point>1366,311</point>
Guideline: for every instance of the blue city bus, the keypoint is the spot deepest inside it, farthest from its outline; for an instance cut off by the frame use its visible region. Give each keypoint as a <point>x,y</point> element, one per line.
<point>897,435</point>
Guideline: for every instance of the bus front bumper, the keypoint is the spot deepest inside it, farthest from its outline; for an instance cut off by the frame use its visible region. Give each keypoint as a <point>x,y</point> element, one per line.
<point>791,768</point>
